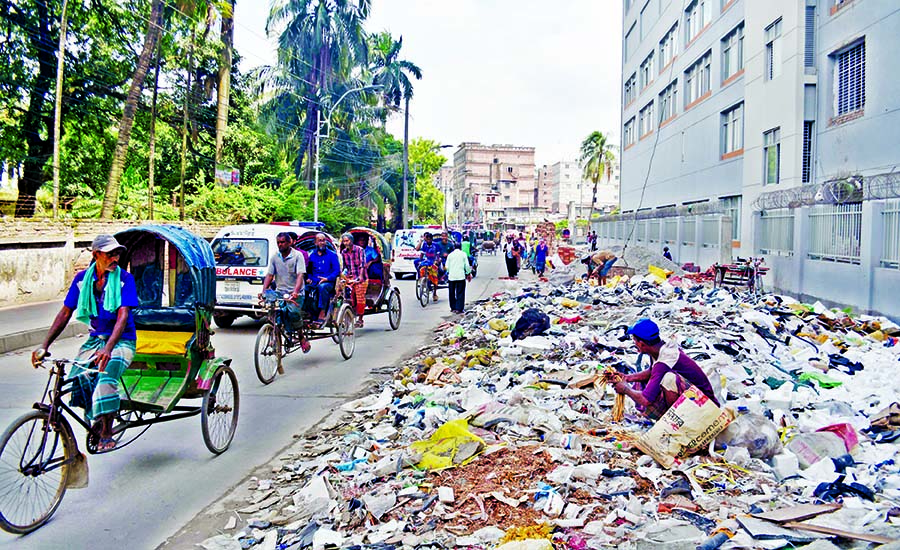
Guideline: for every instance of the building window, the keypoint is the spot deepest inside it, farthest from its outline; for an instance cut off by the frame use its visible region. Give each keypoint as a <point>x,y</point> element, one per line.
<point>807,150</point>
<point>732,207</point>
<point>629,132</point>
<point>773,50</point>
<point>733,52</point>
<point>631,88</point>
<point>667,47</point>
<point>630,42</point>
<point>850,80</point>
<point>697,15</point>
<point>647,71</point>
<point>733,129</point>
<point>667,101</point>
<point>772,156</point>
<point>809,39</point>
<point>645,124</point>
<point>696,79</point>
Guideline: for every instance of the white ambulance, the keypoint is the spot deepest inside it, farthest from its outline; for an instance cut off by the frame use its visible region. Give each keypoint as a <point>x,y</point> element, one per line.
<point>242,255</point>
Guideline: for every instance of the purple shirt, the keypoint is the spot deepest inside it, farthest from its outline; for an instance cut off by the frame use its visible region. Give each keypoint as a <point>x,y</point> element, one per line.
<point>672,358</point>
<point>105,321</point>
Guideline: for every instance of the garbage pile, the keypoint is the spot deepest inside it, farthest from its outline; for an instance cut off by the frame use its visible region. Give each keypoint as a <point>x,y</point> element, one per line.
<point>499,434</point>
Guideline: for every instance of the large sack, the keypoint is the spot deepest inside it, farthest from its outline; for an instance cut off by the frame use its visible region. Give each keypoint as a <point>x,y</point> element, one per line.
<point>687,427</point>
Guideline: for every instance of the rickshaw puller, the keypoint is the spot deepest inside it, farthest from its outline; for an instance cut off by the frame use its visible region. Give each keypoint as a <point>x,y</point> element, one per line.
<point>287,267</point>
<point>105,305</point>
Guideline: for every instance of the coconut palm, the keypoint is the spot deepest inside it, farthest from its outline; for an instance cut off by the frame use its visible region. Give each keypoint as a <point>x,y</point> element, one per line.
<point>391,72</point>
<point>320,43</point>
<point>596,160</point>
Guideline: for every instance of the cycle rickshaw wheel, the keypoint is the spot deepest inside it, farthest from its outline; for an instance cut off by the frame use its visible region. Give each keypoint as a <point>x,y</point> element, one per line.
<point>34,472</point>
<point>219,412</point>
<point>395,309</point>
<point>267,353</point>
<point>346,331</point>
<point>423,293</point>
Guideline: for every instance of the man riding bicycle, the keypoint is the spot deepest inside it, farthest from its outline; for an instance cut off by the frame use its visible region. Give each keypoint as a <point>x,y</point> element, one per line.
<point>287,268</point>
<point>431,263</point>
<point>102,296</point>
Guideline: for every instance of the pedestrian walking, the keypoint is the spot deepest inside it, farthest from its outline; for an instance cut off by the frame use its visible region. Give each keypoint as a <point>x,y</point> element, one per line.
<point>458,273</point>
<point>512,251</point>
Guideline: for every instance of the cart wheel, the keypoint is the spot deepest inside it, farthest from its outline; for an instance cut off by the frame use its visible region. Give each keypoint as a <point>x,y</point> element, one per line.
<point>395,309</point>
<point>34,471</point>
<point>423,291</point>
<point>267,353</point>
<point>346,331</point>
<point>219,413</point>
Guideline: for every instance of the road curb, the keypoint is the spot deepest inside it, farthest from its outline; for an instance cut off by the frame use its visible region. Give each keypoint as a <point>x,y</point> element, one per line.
<point>31,338</point>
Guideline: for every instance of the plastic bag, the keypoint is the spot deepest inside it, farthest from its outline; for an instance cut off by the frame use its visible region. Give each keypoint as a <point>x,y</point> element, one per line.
<point>813,447</point>
<point>754,432</point>
<point>687,427</point>
<point>451,445</point>
<point>532,323</point>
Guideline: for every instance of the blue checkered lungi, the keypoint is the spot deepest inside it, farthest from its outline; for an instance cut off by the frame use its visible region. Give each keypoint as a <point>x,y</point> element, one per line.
<point>98,393</point>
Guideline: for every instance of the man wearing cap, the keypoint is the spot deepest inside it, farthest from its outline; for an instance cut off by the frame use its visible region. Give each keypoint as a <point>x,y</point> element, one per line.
<point>670,374</point>
<point>101,296</point>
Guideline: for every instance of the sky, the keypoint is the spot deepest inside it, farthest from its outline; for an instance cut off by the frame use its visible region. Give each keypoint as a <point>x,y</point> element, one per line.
<point>539,73</point>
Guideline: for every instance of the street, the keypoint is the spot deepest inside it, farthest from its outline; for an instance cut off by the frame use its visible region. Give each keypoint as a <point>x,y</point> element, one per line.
<point>142,494</point>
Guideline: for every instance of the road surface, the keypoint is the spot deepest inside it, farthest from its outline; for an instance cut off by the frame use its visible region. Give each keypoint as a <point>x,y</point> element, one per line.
<point>142,494</point>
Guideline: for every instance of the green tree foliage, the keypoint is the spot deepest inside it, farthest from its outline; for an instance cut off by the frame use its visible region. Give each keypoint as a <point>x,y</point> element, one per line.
<point>426,161</point>
<point>596,159</point>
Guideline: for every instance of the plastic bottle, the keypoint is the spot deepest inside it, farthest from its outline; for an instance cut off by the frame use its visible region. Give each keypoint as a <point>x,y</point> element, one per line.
<point>570,442</point>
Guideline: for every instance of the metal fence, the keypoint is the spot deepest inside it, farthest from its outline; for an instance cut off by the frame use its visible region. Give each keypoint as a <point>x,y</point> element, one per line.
<point>653,231</point>
<point>776,235</point>
<point>709,231</point>
<point>688,231</point>
<point>890,248</point>
<point>670,231</point>
<point>834,232</point>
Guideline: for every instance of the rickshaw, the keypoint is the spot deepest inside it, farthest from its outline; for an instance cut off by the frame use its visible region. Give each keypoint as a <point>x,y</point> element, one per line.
<point>381,296</point>
<point>277,337</point>
<point>175,276</point>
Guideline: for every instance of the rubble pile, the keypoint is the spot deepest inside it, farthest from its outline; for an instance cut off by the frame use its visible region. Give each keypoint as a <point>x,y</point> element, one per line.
<point>483,441</point>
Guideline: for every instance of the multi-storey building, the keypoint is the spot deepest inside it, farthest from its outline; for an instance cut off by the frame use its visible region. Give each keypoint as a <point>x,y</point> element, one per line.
<point>493,183</point>
<point>443,180</point>
<point>784,114</point>
<point>544,187</point>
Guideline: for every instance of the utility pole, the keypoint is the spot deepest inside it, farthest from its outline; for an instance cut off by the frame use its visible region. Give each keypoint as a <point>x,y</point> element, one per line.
<point>405,225</point>
<point>57,111</point>
<point>316,166</point>
<point>184,125</point>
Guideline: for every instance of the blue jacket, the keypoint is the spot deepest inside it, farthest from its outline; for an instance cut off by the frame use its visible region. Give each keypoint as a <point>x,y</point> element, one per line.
<point>323,265</point>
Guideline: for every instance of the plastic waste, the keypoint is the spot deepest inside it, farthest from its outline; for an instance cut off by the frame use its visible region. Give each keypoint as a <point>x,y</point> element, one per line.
<point>813,447</point>
<point>754,432</point>
<point>566,441</point>
<point>451,445</point>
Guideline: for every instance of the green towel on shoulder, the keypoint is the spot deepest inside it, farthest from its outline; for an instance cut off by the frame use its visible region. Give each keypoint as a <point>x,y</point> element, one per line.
<point>112,294</point>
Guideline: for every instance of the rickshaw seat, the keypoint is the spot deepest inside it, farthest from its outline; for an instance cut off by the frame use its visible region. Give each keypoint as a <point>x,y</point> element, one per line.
<point>164,318</point>
<point>157,342</point>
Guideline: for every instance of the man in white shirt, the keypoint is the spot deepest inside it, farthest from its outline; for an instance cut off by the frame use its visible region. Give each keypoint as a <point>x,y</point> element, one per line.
<point>458,272</point>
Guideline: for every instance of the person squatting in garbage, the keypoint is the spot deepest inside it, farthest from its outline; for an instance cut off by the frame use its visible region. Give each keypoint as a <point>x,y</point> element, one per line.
<point>102,295</point>
<point>671,372</point>
<point>600,264</point>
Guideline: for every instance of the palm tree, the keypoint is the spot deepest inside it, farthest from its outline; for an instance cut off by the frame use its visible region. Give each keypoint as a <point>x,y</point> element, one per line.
<point>596,159</point>
<point>154,27</point>
<point>392,73</point>
<point>321,41</point>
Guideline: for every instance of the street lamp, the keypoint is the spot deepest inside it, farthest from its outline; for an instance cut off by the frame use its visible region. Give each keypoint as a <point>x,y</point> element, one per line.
<point>319,133</point>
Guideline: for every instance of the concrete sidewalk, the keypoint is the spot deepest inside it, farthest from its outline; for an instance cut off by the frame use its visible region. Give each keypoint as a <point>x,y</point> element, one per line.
<point>25,326</point>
